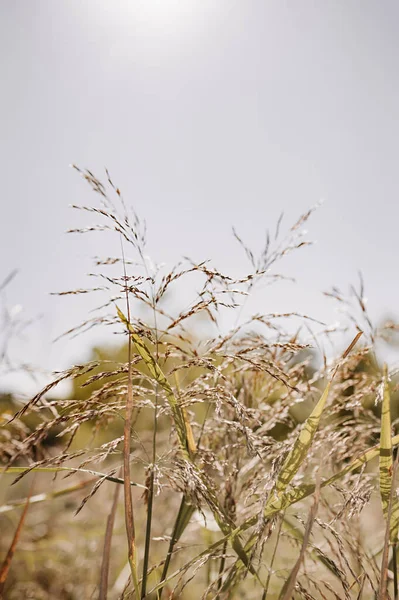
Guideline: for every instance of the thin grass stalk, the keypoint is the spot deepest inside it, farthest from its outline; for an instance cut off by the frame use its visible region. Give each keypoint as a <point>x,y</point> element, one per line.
<point>150,500</point>
<point>395,571</point>
<point>383,586</point>
<point>386,461</point>
<point>25,470</point>
<point>301,446</point>
<point>289,585</point>
<point>4,570</point>
<point>269,575</point>
<point>360,594</point>
<point>221,569</point>
<point>128,501</point>
<point>183,517</point>
<point>389,499</point>
<point>13,504</point>
<point>185,512</point>
<point>107,547</point>
<point>314,552</point>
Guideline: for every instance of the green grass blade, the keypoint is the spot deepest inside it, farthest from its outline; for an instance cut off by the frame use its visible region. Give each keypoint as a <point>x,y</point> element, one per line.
<point>12,505</point>
<point>304,440</point>
<point>294,495</point>
<point>298,453</point>
<point>386,463</point>
<point>26,470</point>
<point>183,518</point>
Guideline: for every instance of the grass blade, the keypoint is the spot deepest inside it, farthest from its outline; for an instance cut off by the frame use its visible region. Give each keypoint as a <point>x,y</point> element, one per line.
<point>184,515</point>
<point>298,453</point>
<point>383,586</point>
<point>46,496</point>
<point>386,462</point>
<point>26,470</point>
<point>289,585</point>
<point>128,501</point>
<point>304,440</point>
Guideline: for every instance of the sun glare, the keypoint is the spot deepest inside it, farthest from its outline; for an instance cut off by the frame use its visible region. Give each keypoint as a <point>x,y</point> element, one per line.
<point>159,14</point>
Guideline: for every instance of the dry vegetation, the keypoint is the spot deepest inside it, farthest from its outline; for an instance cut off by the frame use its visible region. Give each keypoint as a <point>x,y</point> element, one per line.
<point>221,467</point>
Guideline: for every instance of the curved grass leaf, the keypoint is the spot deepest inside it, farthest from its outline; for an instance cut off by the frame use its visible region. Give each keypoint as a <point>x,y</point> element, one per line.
<point>386,463</point>
<point>25,470</point>
<point>183,518</point>
<point>46,496</point>
<point>383,584</point>
<point>298,453</point>
<point>294,495</point>
<point>301,446</point>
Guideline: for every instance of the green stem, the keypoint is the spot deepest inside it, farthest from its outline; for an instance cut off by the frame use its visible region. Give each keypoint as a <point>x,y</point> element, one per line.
<point>154,454</point>
<point>177,530</point>
<point>221,569</point>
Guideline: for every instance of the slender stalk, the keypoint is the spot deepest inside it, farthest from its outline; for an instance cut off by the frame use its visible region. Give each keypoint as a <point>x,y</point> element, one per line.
<point>289,585</point>
<point>150,503</point>
<point>221,569</point>
<point>173,540</point>
<point>5,567</point>
<point>128,501</point>
<point>148,532</point>
<point>107,547</point>
<point>269,575</point>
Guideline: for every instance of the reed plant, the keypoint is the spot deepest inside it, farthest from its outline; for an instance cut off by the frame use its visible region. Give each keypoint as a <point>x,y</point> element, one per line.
<point>214,465</point>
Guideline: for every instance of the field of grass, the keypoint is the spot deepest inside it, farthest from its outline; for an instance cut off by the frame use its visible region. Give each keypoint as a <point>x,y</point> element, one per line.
<point>243,464</point>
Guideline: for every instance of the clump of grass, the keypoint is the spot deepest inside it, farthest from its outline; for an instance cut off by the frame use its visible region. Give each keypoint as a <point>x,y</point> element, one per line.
<point>246,470</point>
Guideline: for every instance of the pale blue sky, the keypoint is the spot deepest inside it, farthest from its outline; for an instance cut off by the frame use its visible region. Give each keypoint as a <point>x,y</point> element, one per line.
<point>208,114</point>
